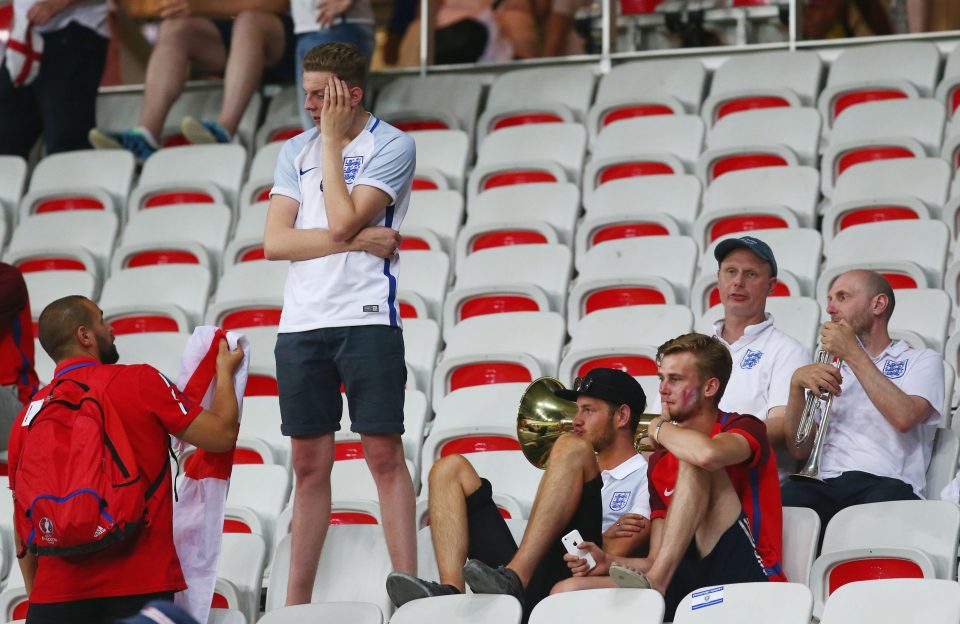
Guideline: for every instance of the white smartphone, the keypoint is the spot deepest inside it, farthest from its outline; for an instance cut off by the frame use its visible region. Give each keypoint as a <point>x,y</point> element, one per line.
<point>571,541</point>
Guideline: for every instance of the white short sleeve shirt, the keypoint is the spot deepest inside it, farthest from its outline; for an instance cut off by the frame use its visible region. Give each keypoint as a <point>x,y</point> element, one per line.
<point>352,288</point>
<point>625,490</point>
<point>92,15</point>
<point>304,13</point>
<point>860,438</point>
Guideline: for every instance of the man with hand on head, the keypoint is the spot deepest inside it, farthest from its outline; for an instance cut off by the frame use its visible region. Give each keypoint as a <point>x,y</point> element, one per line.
<point>714,493</point>
<point>116,582</point>
<point>594,474</point>
<point>341,192</point>
<point>885,410</point>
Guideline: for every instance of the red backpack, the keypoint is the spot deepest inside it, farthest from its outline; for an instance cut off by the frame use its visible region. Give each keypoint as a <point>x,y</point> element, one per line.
<point>76,485</point>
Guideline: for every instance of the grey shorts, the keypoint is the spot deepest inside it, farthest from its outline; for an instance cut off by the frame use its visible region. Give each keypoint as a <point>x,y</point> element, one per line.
<point>312,365</point>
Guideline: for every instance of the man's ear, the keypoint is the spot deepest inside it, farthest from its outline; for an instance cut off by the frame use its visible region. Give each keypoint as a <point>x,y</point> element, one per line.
<point>622,416</point>
<point>85,335</point>
<point>356,96</point>
<point>711,387</point>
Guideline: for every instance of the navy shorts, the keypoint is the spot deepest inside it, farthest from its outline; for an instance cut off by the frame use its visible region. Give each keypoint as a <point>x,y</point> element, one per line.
<point>366,359</point>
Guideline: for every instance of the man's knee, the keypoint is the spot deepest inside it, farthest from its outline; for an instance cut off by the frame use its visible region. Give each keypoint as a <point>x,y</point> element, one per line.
<point>177,30</point>
<point>312,460</point>
<point>453,469</point>
<point>384,453</point>
<point>248,23</point>
<point>572,448</point>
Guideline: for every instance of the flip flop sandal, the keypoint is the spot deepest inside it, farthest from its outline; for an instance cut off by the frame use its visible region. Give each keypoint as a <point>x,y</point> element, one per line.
<point>625,577</point>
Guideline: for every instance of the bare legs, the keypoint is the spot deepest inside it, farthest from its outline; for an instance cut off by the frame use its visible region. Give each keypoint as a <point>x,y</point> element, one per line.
<point>257,42</point>
<point>452,480</point>
<point>384,455</point>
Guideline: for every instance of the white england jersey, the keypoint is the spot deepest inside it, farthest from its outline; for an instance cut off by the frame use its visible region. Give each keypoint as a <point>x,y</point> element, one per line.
<point>352,288</point>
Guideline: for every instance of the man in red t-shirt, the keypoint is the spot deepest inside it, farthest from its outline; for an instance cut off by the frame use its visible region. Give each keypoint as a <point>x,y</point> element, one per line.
<point>714,491</point>
<point>118,581</point>
<point>18,379</point>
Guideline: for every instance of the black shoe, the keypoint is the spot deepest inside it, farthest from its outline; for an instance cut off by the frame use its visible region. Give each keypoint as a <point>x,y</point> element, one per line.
<point>402,588</point>
<point>485,580</point>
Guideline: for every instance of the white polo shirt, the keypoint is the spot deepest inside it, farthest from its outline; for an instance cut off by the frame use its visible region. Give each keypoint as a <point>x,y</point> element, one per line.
<point>352,288</point>
<point>764,360</point>
<point>860,438</point>
<point>92,15</point>
<point>625,490</point>
<point>304,13</point>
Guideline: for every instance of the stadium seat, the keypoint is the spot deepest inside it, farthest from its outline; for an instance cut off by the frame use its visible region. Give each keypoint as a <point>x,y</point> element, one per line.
<point>239,519</point>
<point>648,87</point>
<point>639,206</point>
<point>45,287</point>
<point>499,348</point>
<point>785,603</point>
<point>353,567</point>
<point>755,190</point>
<point>443,151</point>
<point>881,131</point>
<point>916,260</point>
<point>633,271</point>
<point>801,532</point>
<point>515,278</point>
<point>282,120</point>
<point>60,232</point>
<point>468,440</point>
<point>494,404</point>
<point>261,421</point>
<point>537,95</point>
<point>36,259</point>
<point>188,174</point>
<point>662,144</point>
<point>436,102</point>
<point>643,606</point>
<point>556,204</point>
<point>948,91</point>
<point>951,144</point>
<point>348,443</point>
<point>250,294</point>
<point>226,616</point>
<point>226,595</point>
<point>13,599</point>
<point>925,311</point>
<point>889,601</point>
<point>530,153</point>
<point>262,488</point>
<point>162,350</point>
<point>42,363</point>
<point>943,460</point>
<point>509,474</point>
<point>242,557</point>
<point>898,539</point>
<point>425,273</point>
<point>879,72</point>
<point>526,233</point>
<point>461,609</point>
<point>159,237</point>
<point>202,103</point>
<point>441,212</point>
<point>713,224</point>
<point>771,137</point>
<point>798,317</point>
<point>763,80</point>
<point>343,511</point>
<point>153,289</point>
<point>421,337</point>
<point>13,177</point>
<point>354,612</point>
<point>256,187</point>
<point>625,338</point>
<point>80,180</point>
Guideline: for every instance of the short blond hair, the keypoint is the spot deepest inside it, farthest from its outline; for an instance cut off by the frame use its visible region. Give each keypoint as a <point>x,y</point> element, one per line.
<point>713,359</point>
<point>343,60</point>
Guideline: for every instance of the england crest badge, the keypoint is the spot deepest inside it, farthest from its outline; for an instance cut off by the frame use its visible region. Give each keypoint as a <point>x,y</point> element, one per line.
<point>351,168</point>
<point>894,369</point>
<point>751,359</point>
<point>619,501</point>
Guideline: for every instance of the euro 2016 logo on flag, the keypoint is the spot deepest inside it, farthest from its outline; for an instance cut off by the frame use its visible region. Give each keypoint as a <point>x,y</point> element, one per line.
<point>351,167</point>
<point>619,501</point>
<point>751,359</point>
<point>894,369</point>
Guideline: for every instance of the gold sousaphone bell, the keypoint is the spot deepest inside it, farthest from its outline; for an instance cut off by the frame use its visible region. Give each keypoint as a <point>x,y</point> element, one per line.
<point>542,417</point>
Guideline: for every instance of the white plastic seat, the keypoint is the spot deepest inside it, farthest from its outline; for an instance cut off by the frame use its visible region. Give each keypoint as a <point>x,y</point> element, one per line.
<point>414,421</point>
<point>162,350</point>
<point>249,294</point>
<point>801,533</point>
<point>943,459</point>
<point>786,603</point>
<point>226,616</point>
<point>772,137</point>
<point>889,129</point>
<point>159,236</point>
<point>889,601</point>
<point>755,190</point>
<point>437,101</point>
<point>203,172</point>
<point>45,287</point>
<point>353,612</point>
<point>461,609</point>
<point>250,226</point>
<point>425,273</point>
<point>508,472</point>
<point>742,221</point>
<point>797,317</point>
<point>440,212</point>
<point>282,120</point>
<point>98,180</point>
<point>763,79</point>
<point>157,287</point>
<point>497,348</point>
<point>42,363</point>
<point>13,177</point>
<point>643,606</point>
<point>421,341</point>
<point>630,271</point>
<point>527,233</point>
<point>656,145</point>
<point>262,488</point>
<point>866,73</point>
<point>925,311</point>
<point>904,537</point>
<point>445,151</point>
<point>261,420</point>
<point>342,511</point>
<point>555,204</point>
<point>890,181</point>
<point>557,94</point>
<point>948,91</point>
<point>256,188</point>
<point>353,566</point>
<point>204,102</point>
<point>493,404</point>
<point>642,200</point>
<point>94,231</point>
<point>551,152</point>
<point>242,557</point>
<point>599,339</point>
<point>916,261</point>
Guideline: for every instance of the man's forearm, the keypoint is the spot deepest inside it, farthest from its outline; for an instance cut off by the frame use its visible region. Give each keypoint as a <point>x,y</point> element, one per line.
<point>296,244</point>
<point>341,211</point>
<point>900,409</point>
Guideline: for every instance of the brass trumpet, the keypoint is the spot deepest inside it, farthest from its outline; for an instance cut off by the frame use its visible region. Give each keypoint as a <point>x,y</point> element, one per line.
<point>815,403</point>
<point>542,417</point>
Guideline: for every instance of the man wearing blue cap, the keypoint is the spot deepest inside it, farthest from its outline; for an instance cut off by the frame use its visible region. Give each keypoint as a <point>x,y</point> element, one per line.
<point>764,358</point>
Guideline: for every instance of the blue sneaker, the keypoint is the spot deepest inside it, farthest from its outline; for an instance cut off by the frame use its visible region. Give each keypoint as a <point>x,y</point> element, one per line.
<point>198,131</point>
<point>132,140</point>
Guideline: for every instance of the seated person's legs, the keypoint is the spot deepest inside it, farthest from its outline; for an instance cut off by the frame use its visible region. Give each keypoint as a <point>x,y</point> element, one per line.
<point>824,498</point>
<point>876,489</point>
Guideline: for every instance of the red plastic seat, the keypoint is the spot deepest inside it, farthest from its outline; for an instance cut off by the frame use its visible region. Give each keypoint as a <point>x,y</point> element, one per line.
<point>870,154</point>
<point>633,170</point>
<point>57,204</point>
<point>483,373</point>
<point>351,517</point>
<point>635,365</point>
<point>252,254</point>
<point>261,194</point>
<point>232,525</point>
<point>251,317</point>
<point>143,323</point>
<point>246,456</point>
<point>350,449</point>
<point>745,161</point>
<point>161,256</point>
<point>852,98</point>
<point>20,611</point>
<point>520,176</point>
<point>407,311</point>
<point>954,99</point>
<point>627,230</point>
<point>779,290</point>
<point>505,238</point>
<point>219,601</point>
<point>175,140</point>
<point>413,243</point>
<point>750,103</point>
<point>261,385</point>
<point>745,223</point>
<point>638,7</point>
<point>900,280</point>
<point>496,304</point>
<point>50,264</point>
<point>479,444</point>
<point>622,296</point>
<point>424,184</point>
<point>634,110</point>
<point>282,134</point>
<point>168,198</point>
<point>412,125</point>
<point>869,570</point>
<point>524,119</point>
<point>875,214</point>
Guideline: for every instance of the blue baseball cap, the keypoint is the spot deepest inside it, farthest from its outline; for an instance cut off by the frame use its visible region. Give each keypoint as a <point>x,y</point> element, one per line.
<point>755,245</point>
